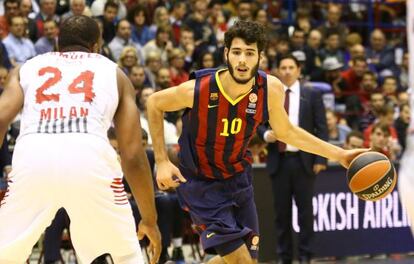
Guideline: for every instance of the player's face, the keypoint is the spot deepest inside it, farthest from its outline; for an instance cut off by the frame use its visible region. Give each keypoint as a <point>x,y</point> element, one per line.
<point>242,60</point>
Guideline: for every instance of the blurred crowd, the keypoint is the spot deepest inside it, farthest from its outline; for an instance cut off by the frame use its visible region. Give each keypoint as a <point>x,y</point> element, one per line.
<point>362,71</point>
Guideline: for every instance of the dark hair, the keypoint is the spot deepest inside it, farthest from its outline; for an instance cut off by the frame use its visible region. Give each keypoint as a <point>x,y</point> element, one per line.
<point>251,32</point>
<point>119,22</point>
<point>111,3</point>
<point>381,126</point>
<point>11,2</point>
<point>81,31</point>
<point>354,133</point>
<point>134,11</point>
<point>287,57</point>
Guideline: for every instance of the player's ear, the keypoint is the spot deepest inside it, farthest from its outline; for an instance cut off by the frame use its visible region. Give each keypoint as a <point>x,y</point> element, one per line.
<point>226,51</point>
<point>96,48</point>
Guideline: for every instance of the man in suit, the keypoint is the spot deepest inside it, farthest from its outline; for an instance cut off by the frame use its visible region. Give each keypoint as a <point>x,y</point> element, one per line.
<point>292,171</point>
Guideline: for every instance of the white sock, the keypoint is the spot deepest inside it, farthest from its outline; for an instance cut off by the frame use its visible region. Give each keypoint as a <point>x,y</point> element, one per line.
<point>177,242</point>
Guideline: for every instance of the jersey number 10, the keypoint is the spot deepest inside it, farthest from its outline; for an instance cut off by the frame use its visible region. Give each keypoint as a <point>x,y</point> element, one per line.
<point>84,78</point>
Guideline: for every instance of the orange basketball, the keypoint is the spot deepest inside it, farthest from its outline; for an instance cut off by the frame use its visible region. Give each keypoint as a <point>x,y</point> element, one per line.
<point>371,176</point>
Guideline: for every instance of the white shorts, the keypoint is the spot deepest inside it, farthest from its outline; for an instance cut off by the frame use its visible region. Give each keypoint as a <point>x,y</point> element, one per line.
<point>406,180</point>
<point>79,172</point>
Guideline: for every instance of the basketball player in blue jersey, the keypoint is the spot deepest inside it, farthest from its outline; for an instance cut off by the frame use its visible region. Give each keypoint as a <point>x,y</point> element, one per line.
<point>222,111</point>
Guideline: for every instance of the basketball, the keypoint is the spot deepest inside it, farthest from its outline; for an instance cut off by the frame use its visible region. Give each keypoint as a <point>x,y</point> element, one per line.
<point>371,176</point>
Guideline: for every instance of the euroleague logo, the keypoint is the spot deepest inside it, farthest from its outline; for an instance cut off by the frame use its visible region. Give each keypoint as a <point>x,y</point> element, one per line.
<point>251,108</point>
<point>255,243</point>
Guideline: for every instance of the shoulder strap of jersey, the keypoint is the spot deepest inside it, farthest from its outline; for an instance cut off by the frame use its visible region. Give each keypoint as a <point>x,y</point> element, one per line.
<point>202,73</point>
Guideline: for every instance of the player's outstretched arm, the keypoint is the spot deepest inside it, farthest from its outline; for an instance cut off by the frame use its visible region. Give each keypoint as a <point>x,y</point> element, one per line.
<point>171,99</point>
<point>296,136</point>
<point>135,164</point>
<point>11,101</point>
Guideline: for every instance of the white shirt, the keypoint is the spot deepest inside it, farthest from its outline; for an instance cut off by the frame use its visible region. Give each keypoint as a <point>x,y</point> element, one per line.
<point>294,103</point>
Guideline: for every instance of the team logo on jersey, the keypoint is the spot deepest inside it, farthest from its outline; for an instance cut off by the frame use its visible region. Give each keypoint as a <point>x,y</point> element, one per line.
<point>213,96</point>
<point>253,98</point>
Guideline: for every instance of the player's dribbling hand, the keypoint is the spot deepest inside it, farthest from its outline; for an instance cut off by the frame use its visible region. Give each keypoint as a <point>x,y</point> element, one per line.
<point>168,176</point>
<point>348,155</point>
<point>152,232</point>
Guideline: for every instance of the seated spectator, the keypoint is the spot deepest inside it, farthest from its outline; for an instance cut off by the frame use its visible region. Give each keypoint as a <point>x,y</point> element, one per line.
<point>354,140</point>
<point>379,54</point>
<point>389,88</point>
<point>382,141</point>
<point>18,46</point>
<point>161,44</point>
<point>48,42</point>
<point>402,123</point>
<point>376,103</point>
<point>385,117</point>
<point>128,59</point>
<point>206,60</point>
<point>177,71</point>
<point>140,30</point>
<point>108,20</point>
<point>77,8</point>
<point>47,12</point>
<point>11,9</point>
<point>123,39</point>
<point>337,132</point>
<point>332,48</point>
<point>137,77</point>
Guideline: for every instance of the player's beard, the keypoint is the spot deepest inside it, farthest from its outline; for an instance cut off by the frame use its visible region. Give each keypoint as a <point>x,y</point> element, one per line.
<point>253,72</point>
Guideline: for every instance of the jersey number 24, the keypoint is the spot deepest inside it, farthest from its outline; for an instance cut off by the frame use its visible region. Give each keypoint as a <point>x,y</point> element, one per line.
<point>81,84</point>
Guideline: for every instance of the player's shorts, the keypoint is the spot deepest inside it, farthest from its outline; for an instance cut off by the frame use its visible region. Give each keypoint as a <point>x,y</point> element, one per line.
<point>406,180</point>
<point>223,211</point>
<point>79,172</point>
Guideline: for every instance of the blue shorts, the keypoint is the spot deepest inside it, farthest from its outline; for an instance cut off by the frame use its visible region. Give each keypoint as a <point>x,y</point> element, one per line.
<point>223,211</point>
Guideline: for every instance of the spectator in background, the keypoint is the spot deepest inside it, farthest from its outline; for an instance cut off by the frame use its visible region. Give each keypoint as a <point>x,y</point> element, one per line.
<point>109,20</point>
<point>376,103</point>
<point>206,60</point>
<point>332,74</point>
<point>257,148</point>
<point>331,48</point>
<point>98,8</point>
<point>177,14</point>
<point>389,88</point>
<point>177,63</point>
<point>4,57</point>
<point>381,141</point>
<point>217,18</point>
<point>402,123</point>
<point>11,9</point>
<point>48,43</point>
<point>104,50</point>
<point>47,12</point>
<point>197,21</point>
<point>355,51</point>
<point>336,132</point>
<point>152,65</point>
<point>123,39</point>
<point>161,44</point>
<point>243,12</point>
<point>26,11</point>
<point>163,80</point>
<point>333,23</point>
<point>128,59</point>
<point>161,19</point>
<point>354,140</point>
<point>140,32</point>
<point>170,131</point>
<point>18,47</point>
<point>369,84</point>
<point>379,54</point>
<point>402,74</point>
<point>187,44</point>
<point>77,8</point>
<point>137,77</point>
<point>314,42</point>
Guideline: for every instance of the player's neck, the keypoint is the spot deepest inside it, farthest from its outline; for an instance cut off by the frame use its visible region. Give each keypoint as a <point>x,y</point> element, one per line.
<point>233,88</point>
<point>75,48</point>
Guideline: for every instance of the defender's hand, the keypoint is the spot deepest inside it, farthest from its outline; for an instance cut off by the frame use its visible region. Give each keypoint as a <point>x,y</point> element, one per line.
<point>168,176</point>
<point>153,234</point>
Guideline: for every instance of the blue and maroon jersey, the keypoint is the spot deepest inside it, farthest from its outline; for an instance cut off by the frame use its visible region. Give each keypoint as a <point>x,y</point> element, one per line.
<point>217,130</point>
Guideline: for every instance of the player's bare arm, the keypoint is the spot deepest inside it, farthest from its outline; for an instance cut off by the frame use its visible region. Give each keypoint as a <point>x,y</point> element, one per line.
<point>296,136</point>
<point>134,162</point>
<point>11,101</point>
<point>171,99</point>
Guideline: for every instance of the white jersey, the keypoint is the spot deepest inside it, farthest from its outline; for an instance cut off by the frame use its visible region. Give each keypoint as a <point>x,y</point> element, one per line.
<point>70,92</point>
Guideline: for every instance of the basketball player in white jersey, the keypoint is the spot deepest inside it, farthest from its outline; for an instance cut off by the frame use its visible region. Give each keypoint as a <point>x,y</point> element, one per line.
<point>63,158</point>
<point>406,175</point>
